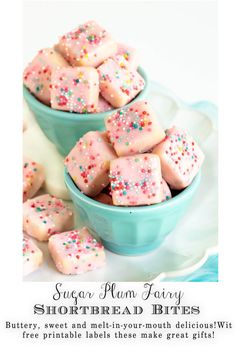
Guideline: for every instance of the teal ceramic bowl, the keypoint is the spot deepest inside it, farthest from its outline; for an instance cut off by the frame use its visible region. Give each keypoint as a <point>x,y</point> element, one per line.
<point>131,230</point>
<point>65,128</point>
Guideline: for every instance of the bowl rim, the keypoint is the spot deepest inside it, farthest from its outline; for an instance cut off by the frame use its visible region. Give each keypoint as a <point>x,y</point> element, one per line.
<point>72,116</point>
<point>170,203</point>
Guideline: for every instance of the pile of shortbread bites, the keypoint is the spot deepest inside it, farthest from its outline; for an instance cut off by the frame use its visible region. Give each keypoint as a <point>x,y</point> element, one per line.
<point>134,162</point>
<point>86,72</point>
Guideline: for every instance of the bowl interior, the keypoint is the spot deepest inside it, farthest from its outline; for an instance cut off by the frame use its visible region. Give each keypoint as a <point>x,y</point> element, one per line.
<point>171,203</point>
<point>35,103</point>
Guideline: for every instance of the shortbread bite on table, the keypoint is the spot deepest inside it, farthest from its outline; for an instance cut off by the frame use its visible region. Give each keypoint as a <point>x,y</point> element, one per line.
<point>88,162</point>
<point>118,85</point>
<point>136,180</point>
<point>32,256</point>
<point>126,56</point>
<point>87,45</point>
<point>181,158</point>
<point>75,89</point>
<point>75,252</point>
<point>33,178</point>
<point>134,129</point>
<point>166,192</point>
<point>37,75</point>
<point>46,215</point>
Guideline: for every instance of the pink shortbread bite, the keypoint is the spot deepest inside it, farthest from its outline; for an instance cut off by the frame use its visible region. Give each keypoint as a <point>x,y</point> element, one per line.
<point>118,85</point>
<point>126,56</point>
<point>33,178</point>
<point>32,256</point>
<point>104,199</point>
<point>37,75</point>
<point>75,89</point>
<point>134,129</point>
<point>136,180</point>
<point>89,161</point>
<point>46,215</point>
<point>181,158</point>
<point>103,105</point>
<point>87,45</point>
<point>166,193</point>
<point>75,252</point>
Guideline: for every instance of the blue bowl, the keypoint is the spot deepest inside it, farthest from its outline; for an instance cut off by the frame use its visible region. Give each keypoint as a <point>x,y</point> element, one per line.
<point>65,128</point>
<point>131,230</point>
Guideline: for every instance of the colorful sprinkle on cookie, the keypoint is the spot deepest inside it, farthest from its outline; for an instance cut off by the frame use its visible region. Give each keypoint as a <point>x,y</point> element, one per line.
<point>46,215</point>
<point>76,252</point>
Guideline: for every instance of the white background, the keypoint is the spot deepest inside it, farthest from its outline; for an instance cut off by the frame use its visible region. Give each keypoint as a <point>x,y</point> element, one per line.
<point>177,41</point>
<point>16,297</point>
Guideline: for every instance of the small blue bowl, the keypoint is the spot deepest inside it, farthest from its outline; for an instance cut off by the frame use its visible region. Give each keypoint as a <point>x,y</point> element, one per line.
<point>65,128</point>
<point>131,230</point>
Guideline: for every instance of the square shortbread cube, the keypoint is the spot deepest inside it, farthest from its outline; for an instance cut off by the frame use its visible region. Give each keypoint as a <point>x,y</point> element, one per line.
<point>181,158</point>
<point>37,75</point>
<point>76,252</point>
<point>89,161</point>
<point>126,57</point>
<point>87,45</point>
<point>32,256</point>
<point>134,129</point>
<point>136,180</point>
<point>118,85</point>
<point>33,178</point>
<point>46,215</point>
<point>75,89</point>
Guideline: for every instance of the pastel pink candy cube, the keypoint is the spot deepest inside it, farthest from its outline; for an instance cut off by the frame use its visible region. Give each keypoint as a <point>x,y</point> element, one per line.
<point>181,158</point>
<point>75,89</point>
<point>75,252</point>
<point>104,199</point>
<point>135,129</point>
<point>32,256</point>
<point>46,215</point>
<point>89,161</point>
<point>126,56</point>
<point>136,180</point>
<point>166,192</point>
<point>87,45</point>
<point>37,75</point>
<point>118,85</point>
<point>33,178</point>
